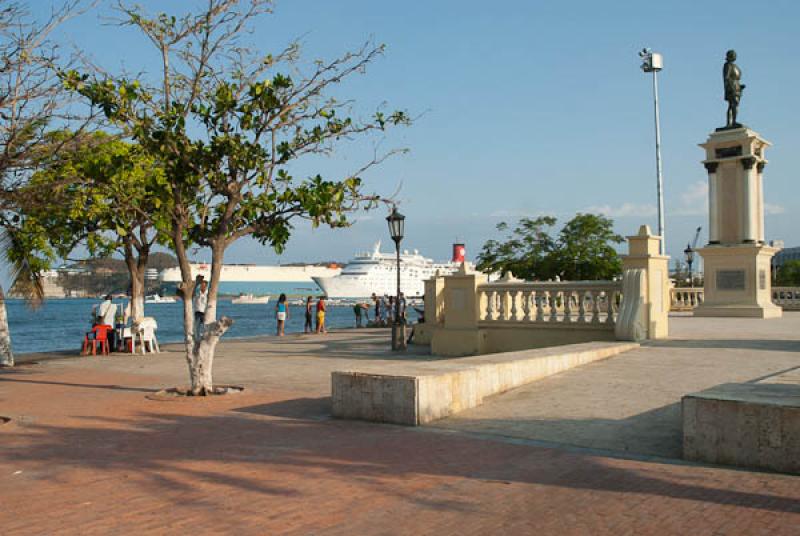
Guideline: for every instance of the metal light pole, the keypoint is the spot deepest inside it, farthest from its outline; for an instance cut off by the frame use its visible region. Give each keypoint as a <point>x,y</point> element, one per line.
<point>689,252</point>
<point>652,62</point>
<point>396,223</point>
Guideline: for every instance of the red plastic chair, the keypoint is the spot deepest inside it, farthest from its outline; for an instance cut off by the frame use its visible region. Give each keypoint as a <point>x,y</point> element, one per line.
<point>100,332</point>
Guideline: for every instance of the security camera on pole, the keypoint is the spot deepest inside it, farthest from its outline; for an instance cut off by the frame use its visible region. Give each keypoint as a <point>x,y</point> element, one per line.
<point>652,62</point>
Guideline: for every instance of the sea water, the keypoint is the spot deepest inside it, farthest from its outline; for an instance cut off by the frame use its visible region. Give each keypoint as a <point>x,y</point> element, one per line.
<point>62,324</point>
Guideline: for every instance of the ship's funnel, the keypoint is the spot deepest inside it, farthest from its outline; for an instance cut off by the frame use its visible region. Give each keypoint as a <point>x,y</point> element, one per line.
<point>459,252</point>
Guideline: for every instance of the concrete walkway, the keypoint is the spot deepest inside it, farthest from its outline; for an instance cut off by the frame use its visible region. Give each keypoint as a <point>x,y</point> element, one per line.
<point>632,403</point>
<point>88,452</point>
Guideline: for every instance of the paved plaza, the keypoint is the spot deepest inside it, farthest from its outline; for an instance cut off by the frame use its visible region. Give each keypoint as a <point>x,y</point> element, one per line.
<point>91,450</point>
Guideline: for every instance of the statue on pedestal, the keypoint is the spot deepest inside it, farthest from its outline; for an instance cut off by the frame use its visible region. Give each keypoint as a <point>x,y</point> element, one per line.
<point>731,76</point>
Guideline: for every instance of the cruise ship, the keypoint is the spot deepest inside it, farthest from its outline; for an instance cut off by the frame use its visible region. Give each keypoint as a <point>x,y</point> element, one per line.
<point>376,273</point>
<point>238,279</point>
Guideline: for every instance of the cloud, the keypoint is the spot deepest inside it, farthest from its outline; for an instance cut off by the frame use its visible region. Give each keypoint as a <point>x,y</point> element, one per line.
<point>625,210</point>
<point>694,201</point>
<point>772,209</point>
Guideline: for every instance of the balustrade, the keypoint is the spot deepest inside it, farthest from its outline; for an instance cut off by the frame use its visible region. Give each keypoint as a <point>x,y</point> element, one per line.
<point>567,303</point>
<point>685,299</point>
<point>786,297</point>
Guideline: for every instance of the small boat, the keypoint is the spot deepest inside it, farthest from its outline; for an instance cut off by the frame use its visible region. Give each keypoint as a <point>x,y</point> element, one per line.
<point>250,299</point>
<point>155,298</point>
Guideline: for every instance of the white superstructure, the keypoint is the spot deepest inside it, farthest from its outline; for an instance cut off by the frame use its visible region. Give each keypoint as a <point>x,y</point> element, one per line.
<point>247,273</point>
<point>376,273</point>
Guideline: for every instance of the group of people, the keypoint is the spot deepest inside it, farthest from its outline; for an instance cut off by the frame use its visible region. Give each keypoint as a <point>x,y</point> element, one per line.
<point>385,310</point>
<point>312,310</point>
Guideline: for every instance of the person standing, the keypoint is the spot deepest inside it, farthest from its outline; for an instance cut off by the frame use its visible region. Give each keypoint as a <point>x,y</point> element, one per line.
<point>357,310</point>
<point>281,314</point>
<point>200,303</point>
<point>377,309</point>
<point>321,315</point>
<point>309,327</point>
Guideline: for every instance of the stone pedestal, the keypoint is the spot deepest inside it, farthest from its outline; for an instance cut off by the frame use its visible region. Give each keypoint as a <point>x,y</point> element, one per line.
<point>737,261</point>
<point>737,282</point>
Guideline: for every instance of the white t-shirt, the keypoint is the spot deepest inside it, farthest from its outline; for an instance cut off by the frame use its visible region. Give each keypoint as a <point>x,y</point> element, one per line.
<point>106,312</point>
<point>200,301</point>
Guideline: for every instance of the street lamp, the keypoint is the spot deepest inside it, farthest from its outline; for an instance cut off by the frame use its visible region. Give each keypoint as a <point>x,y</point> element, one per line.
<point>689,252</point>
<point>396,223</point>
<point>652,62</point>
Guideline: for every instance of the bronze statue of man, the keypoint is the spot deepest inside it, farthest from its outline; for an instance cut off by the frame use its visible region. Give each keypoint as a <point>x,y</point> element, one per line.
<point>731,74</point>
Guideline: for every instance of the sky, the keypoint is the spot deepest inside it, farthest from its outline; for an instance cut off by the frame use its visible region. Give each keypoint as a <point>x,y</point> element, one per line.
<point>525,108</point>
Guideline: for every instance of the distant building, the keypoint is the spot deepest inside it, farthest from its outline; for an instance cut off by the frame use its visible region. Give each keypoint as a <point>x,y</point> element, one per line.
<point>786,254</point>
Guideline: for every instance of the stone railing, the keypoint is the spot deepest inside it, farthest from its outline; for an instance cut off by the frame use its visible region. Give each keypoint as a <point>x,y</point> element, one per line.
<point>569,303</point>
<point>786,297</point>
<point>685,299</point>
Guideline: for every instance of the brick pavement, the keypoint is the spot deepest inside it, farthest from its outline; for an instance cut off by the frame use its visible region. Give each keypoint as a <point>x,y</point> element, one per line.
<point>88,453</point>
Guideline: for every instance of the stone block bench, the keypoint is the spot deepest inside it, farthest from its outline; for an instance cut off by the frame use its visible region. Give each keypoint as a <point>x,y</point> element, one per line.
<point>754,425</point>
<point>417,393</point>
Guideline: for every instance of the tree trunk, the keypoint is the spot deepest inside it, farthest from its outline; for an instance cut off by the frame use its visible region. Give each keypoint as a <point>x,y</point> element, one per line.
<point>6,355</point>
<point>200,351</point>
<point>206,345</point>
<point>137,264</point>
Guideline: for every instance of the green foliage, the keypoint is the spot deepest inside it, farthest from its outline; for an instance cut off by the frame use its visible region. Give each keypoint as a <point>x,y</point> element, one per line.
<point>227,136</point>
<point>788,274</point>
<point>99,190</point>
<point>583,250</point>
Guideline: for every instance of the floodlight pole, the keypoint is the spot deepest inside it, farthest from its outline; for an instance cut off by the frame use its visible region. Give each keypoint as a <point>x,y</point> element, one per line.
<point>652,62</point>
<point>659,176</point>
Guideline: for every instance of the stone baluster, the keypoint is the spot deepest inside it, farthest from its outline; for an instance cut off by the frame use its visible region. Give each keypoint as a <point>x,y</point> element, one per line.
<point>552,298</point>
<point>595,306</point>
<point>582,306</point>
<point>540,298</point>
<point>501,304</point>
<point>611,298</point>
<point>567,297</point>
<point>490,305</point>
<point>513,297</point>
<point>526,305</point>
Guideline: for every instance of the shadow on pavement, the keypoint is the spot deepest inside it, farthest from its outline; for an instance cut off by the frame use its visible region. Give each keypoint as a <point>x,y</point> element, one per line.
<point>298,408</point>
<point>732,344</point>
<point>179,456</point>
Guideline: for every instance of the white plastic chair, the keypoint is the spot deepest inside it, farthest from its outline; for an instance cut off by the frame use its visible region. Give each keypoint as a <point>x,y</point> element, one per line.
<point>146,332</point>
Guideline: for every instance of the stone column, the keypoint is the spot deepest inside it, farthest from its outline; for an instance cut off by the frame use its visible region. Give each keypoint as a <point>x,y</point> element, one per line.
<point>643,251</point>
<point>713,203</point>
<point>460,336</point>
<point>749,200</point>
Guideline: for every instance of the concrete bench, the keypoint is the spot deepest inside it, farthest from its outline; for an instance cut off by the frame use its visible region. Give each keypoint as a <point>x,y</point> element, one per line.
<point>754,425</point>
<point>417,393</point>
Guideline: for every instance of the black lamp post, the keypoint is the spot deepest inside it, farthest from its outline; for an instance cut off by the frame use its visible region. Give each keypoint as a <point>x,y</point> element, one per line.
<point>396,223</point>
<point>689,252</point>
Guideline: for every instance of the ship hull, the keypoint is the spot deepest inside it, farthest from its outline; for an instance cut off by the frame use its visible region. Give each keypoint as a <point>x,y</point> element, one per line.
<point>347,287</point>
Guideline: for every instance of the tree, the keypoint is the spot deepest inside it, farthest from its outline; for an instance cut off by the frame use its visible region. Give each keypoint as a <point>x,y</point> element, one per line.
<point>525,253</point>
<point>583,250</point>
<point>788,274</point>
<point>99,192</point>
<point>32,98</point>
<point>586,249</point>
<point>226,125</point>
